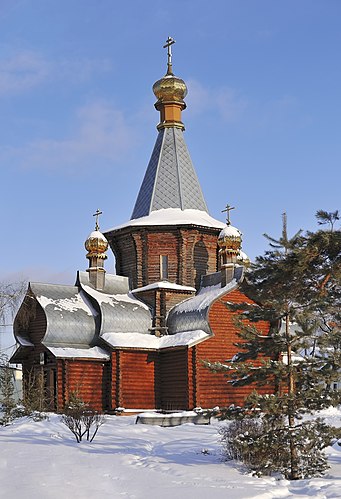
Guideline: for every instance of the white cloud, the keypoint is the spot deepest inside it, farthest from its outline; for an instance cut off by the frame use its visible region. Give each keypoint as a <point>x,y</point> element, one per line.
<point>279,109</point>
<point>101,137</point>
<point>24,70</point>
<point>226,101</point>
<point>232,106</point>
<point>21,72</point>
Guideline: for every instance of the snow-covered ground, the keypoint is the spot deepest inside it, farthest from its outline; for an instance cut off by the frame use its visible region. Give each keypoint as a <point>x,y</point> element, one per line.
<point>41,460</point>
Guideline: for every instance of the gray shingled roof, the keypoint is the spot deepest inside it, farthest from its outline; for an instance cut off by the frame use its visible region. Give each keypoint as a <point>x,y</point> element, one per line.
<point>170,180</point>
<point>193,314</point>
<point>120,311</point>
<point>70,321</point>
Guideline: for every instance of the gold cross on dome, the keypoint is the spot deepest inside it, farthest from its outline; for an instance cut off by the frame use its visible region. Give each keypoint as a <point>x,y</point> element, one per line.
<point>168,45</point>
<point>97,214</point>
<point>227,210</point>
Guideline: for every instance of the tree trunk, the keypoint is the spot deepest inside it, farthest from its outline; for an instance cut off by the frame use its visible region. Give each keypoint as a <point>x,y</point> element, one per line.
<point>294,475</point>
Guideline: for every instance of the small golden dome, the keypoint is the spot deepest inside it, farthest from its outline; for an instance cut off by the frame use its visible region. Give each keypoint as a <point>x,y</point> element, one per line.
<point>96,243</point>
<point>243,259</point>
<point>170,88</point>
<point>230,240</point>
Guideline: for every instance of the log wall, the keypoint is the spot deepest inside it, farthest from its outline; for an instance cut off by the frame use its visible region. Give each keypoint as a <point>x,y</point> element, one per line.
<point>134,379</point>
<point>192,252</point>
<point>212,389</point>
<point>88,380</point>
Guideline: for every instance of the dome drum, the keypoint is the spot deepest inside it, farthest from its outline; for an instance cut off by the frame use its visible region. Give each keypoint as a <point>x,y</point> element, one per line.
<point>95,254</point>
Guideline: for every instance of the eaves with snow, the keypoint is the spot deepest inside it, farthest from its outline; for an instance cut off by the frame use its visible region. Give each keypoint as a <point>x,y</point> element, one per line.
<point>171,217</point>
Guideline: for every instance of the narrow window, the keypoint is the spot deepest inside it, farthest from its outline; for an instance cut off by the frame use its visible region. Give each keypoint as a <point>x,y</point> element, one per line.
<point>163,267</point>
<point>335,386</point>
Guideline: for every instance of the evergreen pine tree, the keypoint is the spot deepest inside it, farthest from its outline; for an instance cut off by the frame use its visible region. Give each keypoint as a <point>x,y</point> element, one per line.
<point>297,283</point>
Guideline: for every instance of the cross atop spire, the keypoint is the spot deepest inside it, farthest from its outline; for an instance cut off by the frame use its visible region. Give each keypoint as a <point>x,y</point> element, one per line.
<point>228,208</point>
<point>168,45</point>
<point>97,214</point>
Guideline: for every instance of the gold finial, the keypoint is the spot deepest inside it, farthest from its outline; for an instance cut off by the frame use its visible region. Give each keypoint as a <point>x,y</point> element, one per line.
<point>97,214</point>
<point>168,45</point>
<point>228,208</point>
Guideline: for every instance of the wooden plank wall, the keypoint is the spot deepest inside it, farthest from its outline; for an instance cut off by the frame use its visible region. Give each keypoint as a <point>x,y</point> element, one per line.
<point>212,389</point>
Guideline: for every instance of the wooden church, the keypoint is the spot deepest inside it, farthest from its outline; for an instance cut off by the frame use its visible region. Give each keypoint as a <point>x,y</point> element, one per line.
<point>136,340</point>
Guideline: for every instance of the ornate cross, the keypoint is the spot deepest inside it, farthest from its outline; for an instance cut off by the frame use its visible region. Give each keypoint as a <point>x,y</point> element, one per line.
<point>227,210</point>
<point>168,45</point>
<point>97,214</point>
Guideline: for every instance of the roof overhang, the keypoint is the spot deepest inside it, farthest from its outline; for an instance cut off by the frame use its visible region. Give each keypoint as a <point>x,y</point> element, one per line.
<point>139,341</point>
<point>170,217</point>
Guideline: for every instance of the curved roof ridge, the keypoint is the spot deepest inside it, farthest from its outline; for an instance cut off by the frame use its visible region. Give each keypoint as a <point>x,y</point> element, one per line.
<point>120,311</point>
<point>192,314</point>
<point>69,319</point>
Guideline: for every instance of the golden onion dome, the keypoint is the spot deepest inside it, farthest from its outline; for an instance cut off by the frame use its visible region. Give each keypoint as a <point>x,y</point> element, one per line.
<point>96,242</point>
<point>243,259</point>
<point>230,239</point>
<point>170,88</point>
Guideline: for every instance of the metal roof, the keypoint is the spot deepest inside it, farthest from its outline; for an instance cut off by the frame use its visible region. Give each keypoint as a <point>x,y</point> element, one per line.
<point>192,314</point>
<point>70,321</point>
<point>119,310</point>
<point>170,180</point>
<point>77,316</point>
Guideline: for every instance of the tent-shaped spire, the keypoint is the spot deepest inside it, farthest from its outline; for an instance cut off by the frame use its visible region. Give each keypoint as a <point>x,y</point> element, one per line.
<point>170,180</point>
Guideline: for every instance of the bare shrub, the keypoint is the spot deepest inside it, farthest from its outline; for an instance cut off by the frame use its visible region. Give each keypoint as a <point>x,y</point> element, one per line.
<point>82,420</point>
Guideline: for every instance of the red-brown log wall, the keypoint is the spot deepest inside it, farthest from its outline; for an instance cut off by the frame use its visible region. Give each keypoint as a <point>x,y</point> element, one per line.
<point>134,383</point>
<point>86,379</point>
<point>212,389</point>
<point>192,252</point>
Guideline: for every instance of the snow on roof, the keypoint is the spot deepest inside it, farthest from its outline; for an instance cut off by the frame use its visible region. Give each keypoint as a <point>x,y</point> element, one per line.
<point>174,216</point>
<point>204,298</point>
<point>120,312</point>
<point>113,299</point>
<point>229,231</point>
<point>192,314</point>
<point>71,304</point>
<point>96,234</point>
<point>83,353</point>
<point>148,341</point>
<point>164,285</point>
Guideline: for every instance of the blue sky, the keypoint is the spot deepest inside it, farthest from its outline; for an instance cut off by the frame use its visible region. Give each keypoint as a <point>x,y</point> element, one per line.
<point>78,124</point>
